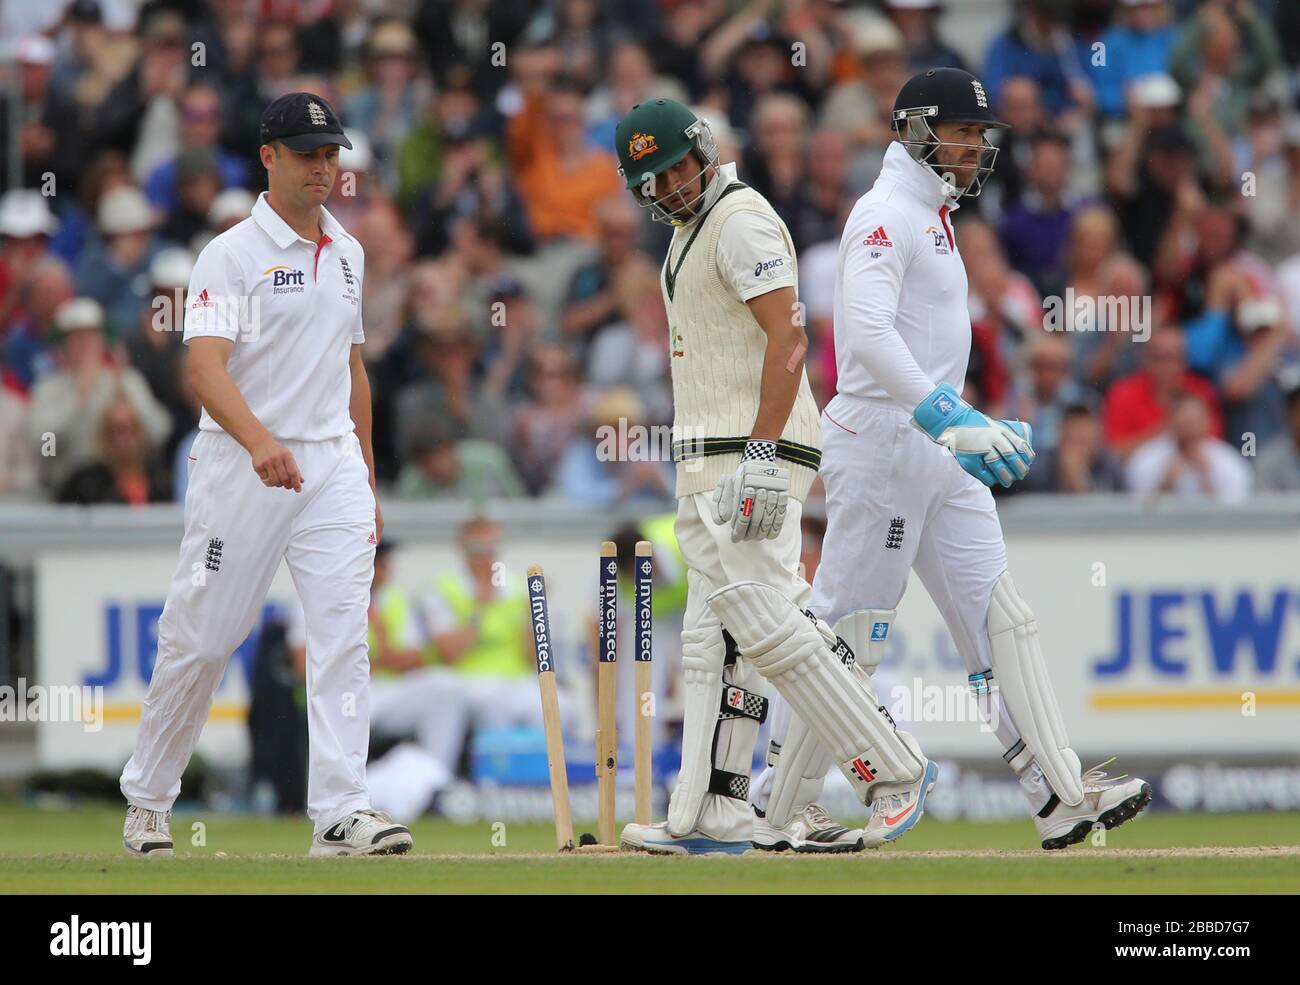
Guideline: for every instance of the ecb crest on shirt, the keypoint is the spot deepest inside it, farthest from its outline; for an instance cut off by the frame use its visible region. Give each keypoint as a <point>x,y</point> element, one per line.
<point>350,292</point>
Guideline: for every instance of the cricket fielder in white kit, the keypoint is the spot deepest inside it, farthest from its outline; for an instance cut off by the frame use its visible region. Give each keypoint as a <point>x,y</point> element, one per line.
<point>908,465</point>
<point>282,469</point>
<point>747,446</point>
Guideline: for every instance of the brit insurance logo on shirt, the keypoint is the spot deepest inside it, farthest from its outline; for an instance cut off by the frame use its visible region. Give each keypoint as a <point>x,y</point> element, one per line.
<point>286,280</point>
<point>940,240</point>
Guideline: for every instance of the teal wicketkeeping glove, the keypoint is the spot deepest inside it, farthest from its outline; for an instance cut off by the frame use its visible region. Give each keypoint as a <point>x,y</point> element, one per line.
<point>992,451</point>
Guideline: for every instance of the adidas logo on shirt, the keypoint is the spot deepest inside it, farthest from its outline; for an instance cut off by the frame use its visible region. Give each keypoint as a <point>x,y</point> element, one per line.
<point>878,238</point>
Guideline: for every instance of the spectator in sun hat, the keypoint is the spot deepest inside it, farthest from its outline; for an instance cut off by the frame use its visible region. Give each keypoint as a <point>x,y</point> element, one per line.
<point>69,403</point>
<point>859,104</point>
<point>26,224</point>
<point>113,267</point>
<point>393,99</point>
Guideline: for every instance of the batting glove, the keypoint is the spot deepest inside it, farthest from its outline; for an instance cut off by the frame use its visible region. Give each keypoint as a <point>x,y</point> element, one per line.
<point>992,451</point>
<point>754,498</point>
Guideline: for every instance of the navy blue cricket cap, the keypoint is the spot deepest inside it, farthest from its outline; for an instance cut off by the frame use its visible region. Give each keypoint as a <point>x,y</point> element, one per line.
<point>302,121</point>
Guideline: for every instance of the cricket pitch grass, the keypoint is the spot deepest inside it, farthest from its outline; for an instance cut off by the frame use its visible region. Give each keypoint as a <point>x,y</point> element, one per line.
<point>78,851</point>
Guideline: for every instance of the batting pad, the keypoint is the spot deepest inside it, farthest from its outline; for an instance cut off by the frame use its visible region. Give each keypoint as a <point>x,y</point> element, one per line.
<point>789,651</point>
<point>1021,676</point>
<point>802,762</point>
<point>722,709</point>
<point>800,773</point>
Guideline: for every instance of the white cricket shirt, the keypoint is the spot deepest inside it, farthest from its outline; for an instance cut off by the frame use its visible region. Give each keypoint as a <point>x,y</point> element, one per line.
<point>293,309</point>
<point>753,255</point>
<point>902,325</point>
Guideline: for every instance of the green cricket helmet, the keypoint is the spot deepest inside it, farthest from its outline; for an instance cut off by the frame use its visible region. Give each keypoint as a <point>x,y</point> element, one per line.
<point>654,136</point>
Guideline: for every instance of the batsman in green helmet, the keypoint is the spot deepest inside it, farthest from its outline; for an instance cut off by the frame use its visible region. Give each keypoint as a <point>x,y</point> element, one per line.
<point>747,443</point>
<point>668,157</point>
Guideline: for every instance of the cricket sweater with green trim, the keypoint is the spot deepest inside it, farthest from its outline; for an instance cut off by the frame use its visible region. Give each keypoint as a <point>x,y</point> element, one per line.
<point>717,359</point>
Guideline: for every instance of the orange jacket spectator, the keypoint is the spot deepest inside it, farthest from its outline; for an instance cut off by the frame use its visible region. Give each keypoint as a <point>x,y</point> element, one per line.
<point>560,178</point>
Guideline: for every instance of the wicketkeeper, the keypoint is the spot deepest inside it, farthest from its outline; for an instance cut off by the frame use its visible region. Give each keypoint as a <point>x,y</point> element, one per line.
<point>908,468</point>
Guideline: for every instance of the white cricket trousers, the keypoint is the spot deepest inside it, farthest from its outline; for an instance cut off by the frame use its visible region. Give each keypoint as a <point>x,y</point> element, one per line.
<point>898,502</point>
<point>236,533</point>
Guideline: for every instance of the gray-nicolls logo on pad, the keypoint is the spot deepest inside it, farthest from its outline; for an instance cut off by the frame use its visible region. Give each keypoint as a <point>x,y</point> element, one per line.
<point>102,939</point>
<point>316,114</point>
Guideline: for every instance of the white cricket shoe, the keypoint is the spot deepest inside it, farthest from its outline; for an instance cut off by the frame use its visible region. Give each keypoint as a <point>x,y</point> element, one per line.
<point>811,831</point>
<point>145,832</point>
<point>362,833</point>
<point>1105,802</point>
<point>895,814</point>
<point>654,838</point>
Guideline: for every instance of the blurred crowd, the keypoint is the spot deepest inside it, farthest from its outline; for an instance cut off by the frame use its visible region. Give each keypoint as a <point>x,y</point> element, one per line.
<point>1134,264</point>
